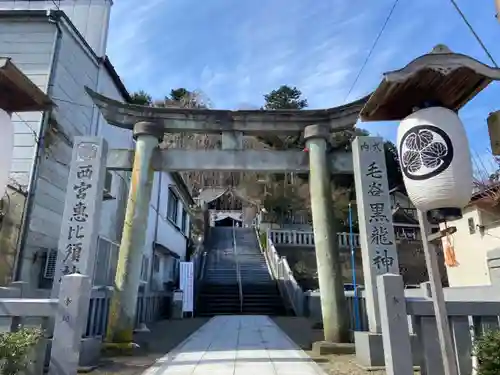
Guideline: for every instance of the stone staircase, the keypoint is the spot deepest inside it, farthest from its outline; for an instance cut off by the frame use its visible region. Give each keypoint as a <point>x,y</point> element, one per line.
<point>220,293</point>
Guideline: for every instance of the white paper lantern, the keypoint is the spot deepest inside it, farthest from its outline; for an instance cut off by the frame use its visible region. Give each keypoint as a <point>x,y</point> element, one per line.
<point>435,161</point>
<point>6,149</point>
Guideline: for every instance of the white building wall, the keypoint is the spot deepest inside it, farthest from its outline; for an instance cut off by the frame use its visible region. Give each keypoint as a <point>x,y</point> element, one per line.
<point>75,67</point>
<point>90,17</point>
<point>29,44</point>
<point>165,232</point>
<point>471,248</point>
<point>111,224</point>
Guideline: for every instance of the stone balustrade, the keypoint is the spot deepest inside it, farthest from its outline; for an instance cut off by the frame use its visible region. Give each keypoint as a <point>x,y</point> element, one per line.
<point>286,237</point>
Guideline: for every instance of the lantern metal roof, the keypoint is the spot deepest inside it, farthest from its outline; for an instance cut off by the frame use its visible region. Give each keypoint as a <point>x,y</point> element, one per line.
<point>450,79</point>
<point>18,92</point>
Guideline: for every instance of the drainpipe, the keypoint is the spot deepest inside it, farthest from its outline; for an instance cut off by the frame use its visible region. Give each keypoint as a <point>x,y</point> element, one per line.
<point>96,124</point>
<point>28,208</point>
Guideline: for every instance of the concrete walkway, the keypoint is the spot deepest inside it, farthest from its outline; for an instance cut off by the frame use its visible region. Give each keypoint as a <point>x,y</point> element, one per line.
<point>237,345</point>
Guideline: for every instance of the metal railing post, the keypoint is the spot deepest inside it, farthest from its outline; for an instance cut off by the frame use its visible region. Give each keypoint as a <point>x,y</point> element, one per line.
<point>238,274</point>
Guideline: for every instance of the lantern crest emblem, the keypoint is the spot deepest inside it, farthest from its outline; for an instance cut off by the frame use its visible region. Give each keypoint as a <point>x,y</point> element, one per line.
<point>426,151</point>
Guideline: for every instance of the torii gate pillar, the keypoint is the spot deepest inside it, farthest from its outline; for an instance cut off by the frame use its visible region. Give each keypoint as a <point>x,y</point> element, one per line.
<point>333,307</point>
<point>121,322</point>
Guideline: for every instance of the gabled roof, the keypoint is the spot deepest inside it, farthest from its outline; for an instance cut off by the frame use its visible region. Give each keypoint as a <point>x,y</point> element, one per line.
<point>400,216</point>
<point>486,196</point>
<point>211,194</point>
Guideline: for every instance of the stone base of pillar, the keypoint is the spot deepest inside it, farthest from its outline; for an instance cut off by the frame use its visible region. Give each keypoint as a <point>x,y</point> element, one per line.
<point>90,354</point>
<point>370,350</point>
<point>325,348</point>
<point>115,349</point>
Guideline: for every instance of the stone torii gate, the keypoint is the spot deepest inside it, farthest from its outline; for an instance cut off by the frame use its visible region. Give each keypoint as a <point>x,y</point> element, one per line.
<point>149,126</point>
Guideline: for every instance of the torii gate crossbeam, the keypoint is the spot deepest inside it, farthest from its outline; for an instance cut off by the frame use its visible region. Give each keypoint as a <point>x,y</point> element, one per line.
<point>271,161</point>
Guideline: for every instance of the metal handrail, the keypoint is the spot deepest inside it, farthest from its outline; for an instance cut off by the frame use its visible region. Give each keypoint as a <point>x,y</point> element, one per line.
<point>288,286</point>
<point>203,264</point>
<point>238,273</point>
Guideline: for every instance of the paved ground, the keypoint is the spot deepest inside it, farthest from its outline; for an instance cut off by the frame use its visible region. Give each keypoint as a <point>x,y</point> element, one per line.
<point>301,332</point>
<point>165,336</point>
<point>237,345</point>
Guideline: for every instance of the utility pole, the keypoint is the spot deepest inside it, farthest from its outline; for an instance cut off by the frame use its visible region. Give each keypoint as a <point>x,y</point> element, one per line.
<point>497,7</point>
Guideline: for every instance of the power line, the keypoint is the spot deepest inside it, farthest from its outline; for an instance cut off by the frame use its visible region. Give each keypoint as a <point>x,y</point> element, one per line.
<point>372,48</point>
<point>462,15</point>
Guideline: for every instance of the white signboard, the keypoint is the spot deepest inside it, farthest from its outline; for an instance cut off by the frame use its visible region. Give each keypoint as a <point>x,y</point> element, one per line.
<point>186,284</point>
<point>376,230</point>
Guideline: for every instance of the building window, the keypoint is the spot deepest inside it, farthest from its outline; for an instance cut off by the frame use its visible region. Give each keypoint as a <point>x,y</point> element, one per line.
<point>106,263</point>
<point>472,226</point>
<point>172,206</point>
<point>184,221</point>
<point>144,268</point>
<point>156,263</point>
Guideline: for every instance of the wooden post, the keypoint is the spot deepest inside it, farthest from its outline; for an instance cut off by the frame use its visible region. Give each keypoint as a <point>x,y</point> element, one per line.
<point>443,327</point>
<point>494,130</point>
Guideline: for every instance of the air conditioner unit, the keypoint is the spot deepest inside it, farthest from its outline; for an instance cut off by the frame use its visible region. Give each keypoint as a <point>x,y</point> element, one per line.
<point>49,270</point>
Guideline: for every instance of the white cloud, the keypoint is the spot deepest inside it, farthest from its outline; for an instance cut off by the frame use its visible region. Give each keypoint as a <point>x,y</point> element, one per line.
<point>250,48</point>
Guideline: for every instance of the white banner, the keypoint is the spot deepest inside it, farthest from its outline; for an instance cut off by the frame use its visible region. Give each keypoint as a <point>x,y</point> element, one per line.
<point>186,284</point>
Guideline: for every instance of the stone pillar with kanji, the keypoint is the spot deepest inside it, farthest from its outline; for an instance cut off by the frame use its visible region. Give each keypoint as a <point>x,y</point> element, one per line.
<point>376,230</point>
<point>77,246</point>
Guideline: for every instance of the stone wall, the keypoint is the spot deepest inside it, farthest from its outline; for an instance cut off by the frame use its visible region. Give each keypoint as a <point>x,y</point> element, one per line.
<point>302,260</point>
<point>11,212</point>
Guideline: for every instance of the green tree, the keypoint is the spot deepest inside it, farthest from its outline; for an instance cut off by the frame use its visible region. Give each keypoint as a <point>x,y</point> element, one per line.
<point>179,94</point>
<point>141,97</point>
<point>285,97</point>
<point>184,98</point>
<point>487,352</point>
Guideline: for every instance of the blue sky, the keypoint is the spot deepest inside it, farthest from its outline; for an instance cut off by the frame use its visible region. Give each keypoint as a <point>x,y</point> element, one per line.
<point>235,51</point>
